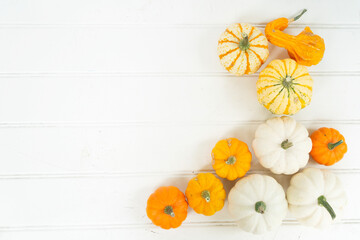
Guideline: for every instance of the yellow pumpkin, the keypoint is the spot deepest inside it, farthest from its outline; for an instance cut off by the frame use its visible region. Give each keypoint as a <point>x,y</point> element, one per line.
<point>284,87</point>
<point>231,158</point>
<point>242,49</point>
<point>205,194</point>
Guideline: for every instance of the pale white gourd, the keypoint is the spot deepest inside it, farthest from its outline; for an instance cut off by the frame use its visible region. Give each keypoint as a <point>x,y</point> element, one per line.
<point>282,145</point>
<point>258,203</point>
<point>316,197</point>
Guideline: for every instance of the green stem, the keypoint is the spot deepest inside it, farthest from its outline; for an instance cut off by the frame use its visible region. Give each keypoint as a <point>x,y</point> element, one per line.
<point>231,160</point>
<point>244,43</point>
<point>260,207</point>
<point>169,211</point>
<point>206,195</point>
<point>322,202</point>
<point>298,16</point>
<point>286,144</point>
<point>331,146</point>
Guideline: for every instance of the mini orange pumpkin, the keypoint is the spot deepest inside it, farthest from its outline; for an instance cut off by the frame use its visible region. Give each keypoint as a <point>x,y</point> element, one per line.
<point>306,48</point>
<point>205,194</point>
<point>167,207</point>
<point>231,158</point>
<point>328,146</point>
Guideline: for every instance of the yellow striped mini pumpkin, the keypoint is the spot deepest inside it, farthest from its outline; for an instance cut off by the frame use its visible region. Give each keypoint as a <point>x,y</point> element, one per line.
<point>242,49</point>
<point>284,87</point>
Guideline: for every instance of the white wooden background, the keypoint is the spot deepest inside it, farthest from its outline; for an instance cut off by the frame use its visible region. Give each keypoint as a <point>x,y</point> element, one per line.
<point>103,101</point>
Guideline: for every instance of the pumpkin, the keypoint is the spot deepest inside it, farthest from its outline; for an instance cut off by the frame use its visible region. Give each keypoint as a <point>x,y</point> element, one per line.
<point>284,87</point>
<point>258,203</point>
<point>328,146</point>
<point>316,197</point>
<point>231,158</point>
<point>306,48</point>
<point>205,194</point>
<point>167,207</point>
<point>242,49</point>
<point>282,145</point>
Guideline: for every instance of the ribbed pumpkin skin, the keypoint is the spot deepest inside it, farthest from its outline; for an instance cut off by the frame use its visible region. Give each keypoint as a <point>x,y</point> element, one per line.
<point>320,151</point>
<point>205,182</point>
<point>233,58</point>
<point>284,87</point>
<point>225,149</point>
<point>159,200</point>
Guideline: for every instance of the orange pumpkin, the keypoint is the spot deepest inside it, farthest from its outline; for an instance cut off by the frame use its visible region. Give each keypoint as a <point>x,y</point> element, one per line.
<point>206,194</point>
<point>306,48</point>
<point>167,207</point>
<point>231,158</point>
<point>328,146</point>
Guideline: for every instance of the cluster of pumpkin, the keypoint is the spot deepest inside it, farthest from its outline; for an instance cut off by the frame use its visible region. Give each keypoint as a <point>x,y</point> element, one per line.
<point>284,86</point>
<point>315,197</point>
<point>258,202</point>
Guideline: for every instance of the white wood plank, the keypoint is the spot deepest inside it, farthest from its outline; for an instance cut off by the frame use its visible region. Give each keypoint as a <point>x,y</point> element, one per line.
<point>145,50</point>
<point>122,201</point>
<point>127,149</point>
<point>162,12</point>
<point>162,99</point>
<point>348,231</point>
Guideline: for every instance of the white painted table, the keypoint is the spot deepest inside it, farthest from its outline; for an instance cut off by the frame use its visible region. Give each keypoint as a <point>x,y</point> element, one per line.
<point>101,102</point>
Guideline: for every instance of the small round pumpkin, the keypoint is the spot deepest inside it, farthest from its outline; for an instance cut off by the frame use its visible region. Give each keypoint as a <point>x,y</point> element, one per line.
<point>231,158</point>
<point>167,207</point>
<point>258,203</point>
<point>242,49</point>
<point>328,146</point>
<point>284,87</point>
<point>205,194</point>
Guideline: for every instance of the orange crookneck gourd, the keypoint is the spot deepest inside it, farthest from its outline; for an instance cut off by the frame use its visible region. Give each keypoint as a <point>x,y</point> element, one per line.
<point>306,48</point>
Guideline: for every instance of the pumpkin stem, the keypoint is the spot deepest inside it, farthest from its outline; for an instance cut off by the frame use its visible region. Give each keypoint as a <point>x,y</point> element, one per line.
<point>287,82</point>
<point>260,207</point>
<point>244,43</point>
<point>169,211</point>
<point>286,144</point>
<point>231,160</point>
<point>206,195</point>
<point>331,146</point>
<point>322,202</point>
<point>298,16</point>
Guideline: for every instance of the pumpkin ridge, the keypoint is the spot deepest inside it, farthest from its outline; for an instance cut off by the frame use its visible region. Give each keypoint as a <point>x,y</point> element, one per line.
<point>305,86</point>
<point>286,111</point>
<point>276,110</point>
<point>231,33</point>
<point>251,32</point>
<point>247,63</point>
<point>302,75</point>
<point>227,41</point>
<point>303,104</point>
<point>255,37</point>
<point>273,100</point>
<point>296,67</point>
<point>271,67</point>
<point>228,52</point>
<point>258,46</point>
<point>233,62</point>
<point>240,27</point>
<point>257,55</point>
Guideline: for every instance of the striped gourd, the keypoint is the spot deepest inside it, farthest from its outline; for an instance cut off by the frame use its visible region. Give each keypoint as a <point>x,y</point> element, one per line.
<point>242,49</point>
<point>284,87</point>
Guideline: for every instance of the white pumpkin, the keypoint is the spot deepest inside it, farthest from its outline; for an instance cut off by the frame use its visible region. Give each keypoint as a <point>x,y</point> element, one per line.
<point>316,197</point>
<point>258,202</point>
<point>282,145</point>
